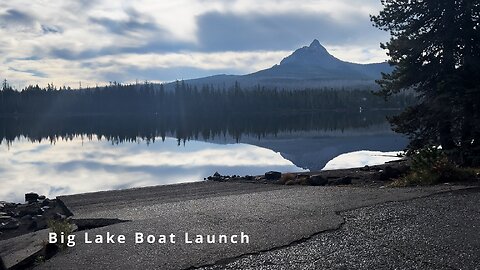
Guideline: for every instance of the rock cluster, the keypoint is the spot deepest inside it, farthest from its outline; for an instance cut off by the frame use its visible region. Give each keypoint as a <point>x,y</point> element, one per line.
<point>17,219</point>
<point>223,178</point>
<point>274,177</point>
<point>372,176</point>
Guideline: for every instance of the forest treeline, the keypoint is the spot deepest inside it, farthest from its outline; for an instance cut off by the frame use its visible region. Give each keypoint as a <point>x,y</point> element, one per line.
<point>186,99</point>
<point>132,128</point>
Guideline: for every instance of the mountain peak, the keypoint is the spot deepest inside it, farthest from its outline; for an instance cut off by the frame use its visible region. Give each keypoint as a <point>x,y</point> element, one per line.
<point>315,44</point>
<point>313,55</point>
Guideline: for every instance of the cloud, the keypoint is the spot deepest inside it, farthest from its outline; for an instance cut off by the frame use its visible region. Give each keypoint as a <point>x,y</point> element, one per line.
<point>128,67</point>
<point>136,22</point>
<point>161,44</point>
<point>35,73</point>
<point>360,159</point>
<point>51,29</point>
<point>58,40</point>
<point>14,18</point>
<point>228,31</point>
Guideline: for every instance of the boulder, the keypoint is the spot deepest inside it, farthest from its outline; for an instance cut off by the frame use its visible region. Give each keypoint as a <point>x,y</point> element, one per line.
<point>10,224</point>
<point>5,217</point>
<point>366,168</point>
<point>29,209</point>
<point>31,197</point>
<point>58,216</point>
<point>42,197</point>
<point>26,217</point>
<point>347,180</point>
<point>45,202</point>
<point>273,175</point>
<point>317,180</point>
<point>216,177</point>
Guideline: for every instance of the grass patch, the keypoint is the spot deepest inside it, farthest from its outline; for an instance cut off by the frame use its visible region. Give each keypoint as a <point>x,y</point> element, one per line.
<point>286,177</point>
<point>290,179</point>
<point>60,227</point>
<point>431,166</point>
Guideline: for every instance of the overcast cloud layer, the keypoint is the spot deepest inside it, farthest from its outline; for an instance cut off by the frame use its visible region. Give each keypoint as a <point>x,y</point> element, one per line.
<point>96,41</point>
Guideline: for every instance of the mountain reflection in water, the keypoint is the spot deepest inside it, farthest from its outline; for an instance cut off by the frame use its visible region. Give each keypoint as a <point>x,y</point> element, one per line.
<point>65,155</point>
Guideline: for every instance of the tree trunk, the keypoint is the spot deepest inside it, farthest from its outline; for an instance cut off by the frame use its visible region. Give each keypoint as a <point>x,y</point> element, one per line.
<point>445,132</point>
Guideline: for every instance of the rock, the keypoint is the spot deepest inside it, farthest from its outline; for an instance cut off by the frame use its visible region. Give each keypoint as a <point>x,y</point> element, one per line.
<point>21,248</point>
<point>4,218</point>
<point>59,216</point>
<point>317,180</point>
<point>389,173</point>
<point>217,177</point>
<point>248,177</point>
<point>366,168</point>
<point>42,197</point>
<point>273,175</point>
<point>28,209</point>
<point>26,217</point>
<point>31,197</point>
<point>347,180</point>
<point>10,225</point>
<point>45,202</point>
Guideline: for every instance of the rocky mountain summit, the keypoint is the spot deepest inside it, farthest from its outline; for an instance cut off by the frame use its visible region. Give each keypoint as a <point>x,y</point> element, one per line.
<point>307,67</point>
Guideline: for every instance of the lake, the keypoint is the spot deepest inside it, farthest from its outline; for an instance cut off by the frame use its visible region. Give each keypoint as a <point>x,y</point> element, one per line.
<point>66,155</point>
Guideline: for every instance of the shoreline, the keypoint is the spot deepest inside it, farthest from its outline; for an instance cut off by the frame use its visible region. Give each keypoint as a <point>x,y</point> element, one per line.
<point>101,209</point>
<point>367,176</point>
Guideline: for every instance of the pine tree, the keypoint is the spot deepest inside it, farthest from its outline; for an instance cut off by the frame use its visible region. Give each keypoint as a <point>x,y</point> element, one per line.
<point>435,48</point>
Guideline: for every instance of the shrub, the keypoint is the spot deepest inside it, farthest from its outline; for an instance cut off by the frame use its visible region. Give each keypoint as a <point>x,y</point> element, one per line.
<point>59,227</point>
<point>286,177</point>
<point>430,166</point>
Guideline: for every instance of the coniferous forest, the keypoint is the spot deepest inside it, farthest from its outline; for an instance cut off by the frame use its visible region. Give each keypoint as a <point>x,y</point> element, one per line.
<point>148,98</point>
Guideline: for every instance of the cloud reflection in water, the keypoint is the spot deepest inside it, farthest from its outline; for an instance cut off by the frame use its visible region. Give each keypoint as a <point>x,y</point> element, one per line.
<point>360,159</point>
<point>80,166</point>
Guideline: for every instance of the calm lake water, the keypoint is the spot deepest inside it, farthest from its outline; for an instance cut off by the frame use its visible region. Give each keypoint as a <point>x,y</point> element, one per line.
<point>67,155</point>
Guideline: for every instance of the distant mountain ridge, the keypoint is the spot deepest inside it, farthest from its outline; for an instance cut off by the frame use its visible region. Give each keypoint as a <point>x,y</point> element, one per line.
<point>308,67</point>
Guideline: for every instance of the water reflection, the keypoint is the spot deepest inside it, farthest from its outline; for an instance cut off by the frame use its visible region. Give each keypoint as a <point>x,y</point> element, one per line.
<point>132,128</point>
<point>360,159</point>
<point>80,166</point>
<point>66,155</point>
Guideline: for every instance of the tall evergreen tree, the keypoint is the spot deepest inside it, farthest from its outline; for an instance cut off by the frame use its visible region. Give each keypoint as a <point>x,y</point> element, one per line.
<point>435,48</point>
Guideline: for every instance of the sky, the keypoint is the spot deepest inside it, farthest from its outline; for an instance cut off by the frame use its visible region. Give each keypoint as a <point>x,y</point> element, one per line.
<point>66,42</point>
